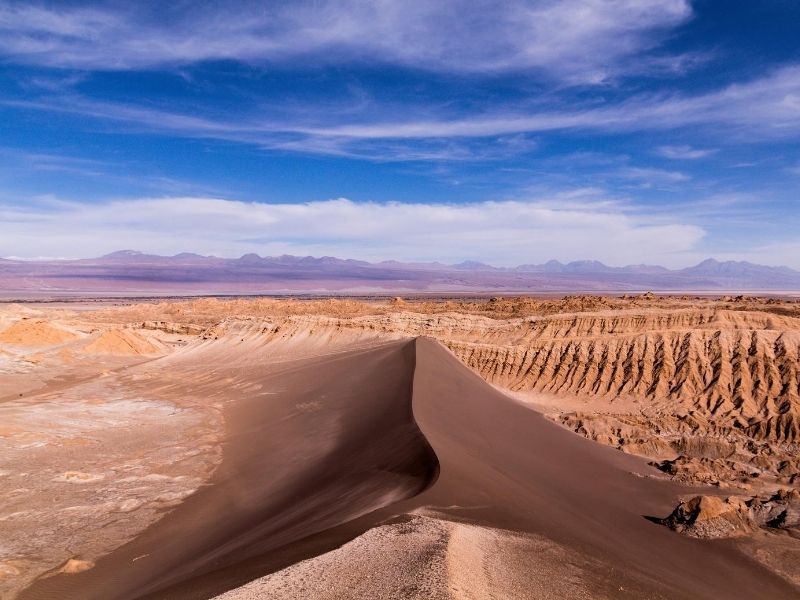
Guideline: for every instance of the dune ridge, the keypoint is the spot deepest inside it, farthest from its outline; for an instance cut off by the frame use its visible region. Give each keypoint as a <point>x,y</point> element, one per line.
<point>336,437</point>
<point>429,558</point>
<point>709,390</point>
<point>352,438</point>
<point>513,500</point>
<point>309,393</point>
<point>659,383</point>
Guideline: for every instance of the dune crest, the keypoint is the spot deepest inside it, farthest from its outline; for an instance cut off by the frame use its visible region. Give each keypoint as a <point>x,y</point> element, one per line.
<point>332,438</point>
<point>715,393</point>
<point>344,453</point>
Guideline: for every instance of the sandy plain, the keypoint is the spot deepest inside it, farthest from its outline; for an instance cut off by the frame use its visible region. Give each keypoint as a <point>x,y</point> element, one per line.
<point>594,447</point>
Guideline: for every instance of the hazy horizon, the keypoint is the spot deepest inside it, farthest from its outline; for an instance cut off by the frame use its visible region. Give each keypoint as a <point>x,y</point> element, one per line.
<point>132,252</point>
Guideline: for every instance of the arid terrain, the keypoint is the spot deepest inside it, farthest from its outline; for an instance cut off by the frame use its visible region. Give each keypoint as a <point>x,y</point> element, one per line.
<point>579,447</point>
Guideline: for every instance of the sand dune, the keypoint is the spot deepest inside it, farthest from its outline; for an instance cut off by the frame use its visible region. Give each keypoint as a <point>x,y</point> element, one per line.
<point>499,467</point>
<point>335,439</point>
<point>715,392</point>
<point>123,341</point>
<point>35,333</point>
<point>369,449</point>
<point>424,558</point>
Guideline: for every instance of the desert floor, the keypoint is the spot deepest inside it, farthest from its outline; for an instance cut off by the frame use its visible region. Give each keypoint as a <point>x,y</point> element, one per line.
<point>578,447</point>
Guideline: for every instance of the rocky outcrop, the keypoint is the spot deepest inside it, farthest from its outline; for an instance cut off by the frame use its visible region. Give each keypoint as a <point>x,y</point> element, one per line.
<point>715,517</point>
<point>742,378</point>
<point>168,327</point>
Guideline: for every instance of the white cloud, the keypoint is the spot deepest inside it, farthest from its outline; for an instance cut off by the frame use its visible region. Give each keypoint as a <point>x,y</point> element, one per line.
<point>568,227</point>
<point>583,40</point>
<point>652,176</point>
<point>684,152</point>
<point>769,105</point>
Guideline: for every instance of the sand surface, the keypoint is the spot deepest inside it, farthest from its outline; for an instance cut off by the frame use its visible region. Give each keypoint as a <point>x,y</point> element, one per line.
<point>343,450</point>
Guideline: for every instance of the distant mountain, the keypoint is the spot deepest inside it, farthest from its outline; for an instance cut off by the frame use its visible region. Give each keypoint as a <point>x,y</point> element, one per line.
<point>642,269</point>
<point>732,268</point>
<point>472,265</point>
<point>126,255</point>
<point>133,272</point>
<point>587,266</point>
<point>134,256</point>
<point>740,274</point>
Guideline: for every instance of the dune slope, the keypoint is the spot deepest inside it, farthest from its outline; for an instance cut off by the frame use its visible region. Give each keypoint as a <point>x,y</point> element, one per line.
<point>331,439</point>
<point>505,466</point>
<point>336,444</point>
<point>521,509</point>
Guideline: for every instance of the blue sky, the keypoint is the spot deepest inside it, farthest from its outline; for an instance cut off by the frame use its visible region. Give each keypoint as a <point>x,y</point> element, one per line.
<point>512,132</point>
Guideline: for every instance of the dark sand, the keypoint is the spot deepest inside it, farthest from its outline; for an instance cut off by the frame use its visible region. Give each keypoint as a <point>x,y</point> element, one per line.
<point>336,450</point>
<point>334,441</point>
<point>506,466</point>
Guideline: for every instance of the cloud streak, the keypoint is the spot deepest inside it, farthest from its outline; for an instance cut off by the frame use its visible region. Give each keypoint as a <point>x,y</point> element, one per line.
<point>758,110</point>
<point>771,102</point>
<point>578,40</point>
<point>684,152</point>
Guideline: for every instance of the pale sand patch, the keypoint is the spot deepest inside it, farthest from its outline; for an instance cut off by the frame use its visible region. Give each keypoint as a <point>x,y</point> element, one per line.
<point>425,558</point>
<point>124,342</point>
<point>96,474</point>
<point>29,332</point>
<point>76,565</point>
<point>79,477</point>
<point>406,560</point>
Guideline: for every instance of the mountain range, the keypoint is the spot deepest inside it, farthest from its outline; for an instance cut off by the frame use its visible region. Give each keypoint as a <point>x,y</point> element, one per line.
<point>132,272</point>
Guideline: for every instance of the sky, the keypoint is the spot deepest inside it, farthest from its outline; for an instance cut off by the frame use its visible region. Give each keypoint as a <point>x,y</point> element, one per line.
<point>512,132</point>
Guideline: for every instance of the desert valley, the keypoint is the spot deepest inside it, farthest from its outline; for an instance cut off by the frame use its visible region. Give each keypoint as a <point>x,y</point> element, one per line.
<point>375,300</point>
<point>582,446</point>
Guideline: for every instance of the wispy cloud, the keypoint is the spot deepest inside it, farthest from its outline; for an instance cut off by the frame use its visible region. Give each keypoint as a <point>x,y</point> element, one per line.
<point>761,109</point>
<point>490,98</point>
<point>580,40</point>
<point>568,227</point>
<point>726,208</point>
<point>652,176</point>
<point>42,161</point>
<point>684,152</point>
<point>771,103</point>
<point>17,164</point>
